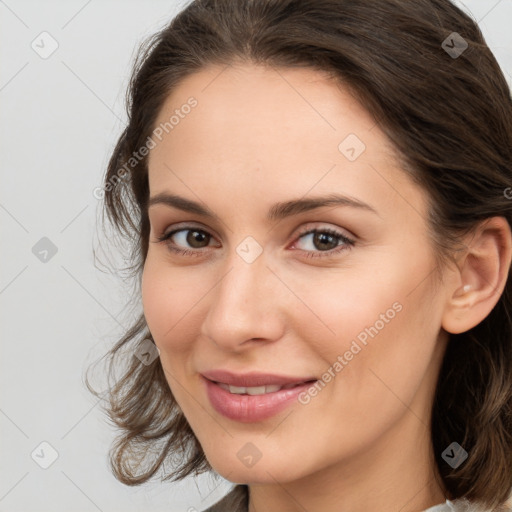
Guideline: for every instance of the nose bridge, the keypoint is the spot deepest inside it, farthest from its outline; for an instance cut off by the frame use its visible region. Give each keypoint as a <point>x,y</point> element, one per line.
<point>244,303</point>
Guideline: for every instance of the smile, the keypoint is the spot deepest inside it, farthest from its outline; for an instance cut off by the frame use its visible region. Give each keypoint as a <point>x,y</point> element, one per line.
<point>252,397</point>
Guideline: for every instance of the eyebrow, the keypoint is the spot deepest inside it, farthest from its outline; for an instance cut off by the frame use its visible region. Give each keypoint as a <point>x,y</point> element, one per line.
<point>278,211</point>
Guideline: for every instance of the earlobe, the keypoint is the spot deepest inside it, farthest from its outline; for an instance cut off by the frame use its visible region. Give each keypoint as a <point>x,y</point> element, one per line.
<point>481,276</point>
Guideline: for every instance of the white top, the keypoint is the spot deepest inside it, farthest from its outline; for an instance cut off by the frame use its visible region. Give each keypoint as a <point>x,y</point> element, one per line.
<point>235,502</point>
<point>443,507</point>
<point>460,505</point>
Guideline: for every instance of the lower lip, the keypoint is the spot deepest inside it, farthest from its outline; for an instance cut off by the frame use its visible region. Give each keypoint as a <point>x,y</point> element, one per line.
<point>251,408</point>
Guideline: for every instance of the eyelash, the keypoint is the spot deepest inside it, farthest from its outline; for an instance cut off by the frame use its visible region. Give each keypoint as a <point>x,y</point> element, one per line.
<point>346,245</point>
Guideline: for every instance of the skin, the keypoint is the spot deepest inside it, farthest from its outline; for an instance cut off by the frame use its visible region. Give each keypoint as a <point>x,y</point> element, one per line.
<point>259,136</point>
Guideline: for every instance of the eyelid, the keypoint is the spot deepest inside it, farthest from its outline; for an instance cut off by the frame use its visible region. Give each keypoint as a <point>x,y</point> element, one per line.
<point>314,226</point>
<point>186,226</point>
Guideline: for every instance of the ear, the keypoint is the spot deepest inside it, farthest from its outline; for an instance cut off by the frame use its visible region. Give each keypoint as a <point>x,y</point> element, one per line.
<point>481,276</point>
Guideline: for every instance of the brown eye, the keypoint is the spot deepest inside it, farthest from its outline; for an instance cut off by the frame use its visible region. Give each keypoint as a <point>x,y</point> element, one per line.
<point>186,241</point>
<point>196,238</point>
<point>323,242</point>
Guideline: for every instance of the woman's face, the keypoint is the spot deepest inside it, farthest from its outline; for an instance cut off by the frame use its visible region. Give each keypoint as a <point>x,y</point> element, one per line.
<point>351,305</point>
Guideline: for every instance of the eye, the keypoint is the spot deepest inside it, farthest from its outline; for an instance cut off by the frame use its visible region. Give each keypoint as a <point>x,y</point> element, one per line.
<point>322,242</point>
<point>327,240</point>
<point>195,237</point>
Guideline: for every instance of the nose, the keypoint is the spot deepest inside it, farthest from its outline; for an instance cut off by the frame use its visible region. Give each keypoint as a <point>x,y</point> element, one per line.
<point>248,304</point>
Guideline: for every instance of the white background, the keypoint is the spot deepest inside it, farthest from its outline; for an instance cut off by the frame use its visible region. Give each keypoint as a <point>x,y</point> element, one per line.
<point>60,118</point>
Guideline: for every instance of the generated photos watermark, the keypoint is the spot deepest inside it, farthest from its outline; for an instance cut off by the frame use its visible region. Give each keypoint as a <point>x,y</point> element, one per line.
<point>355,348</point>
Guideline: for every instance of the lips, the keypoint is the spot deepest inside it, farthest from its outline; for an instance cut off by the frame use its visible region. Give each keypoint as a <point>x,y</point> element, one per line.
<point>254,379</point>
<point>252,397</point>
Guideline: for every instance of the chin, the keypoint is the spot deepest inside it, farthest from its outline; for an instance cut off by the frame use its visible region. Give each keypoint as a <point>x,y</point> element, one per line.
<point>264,471</point>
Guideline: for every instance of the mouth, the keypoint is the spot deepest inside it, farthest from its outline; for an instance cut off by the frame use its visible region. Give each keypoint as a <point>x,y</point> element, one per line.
<point>252,397</point>
<point>255,380</point>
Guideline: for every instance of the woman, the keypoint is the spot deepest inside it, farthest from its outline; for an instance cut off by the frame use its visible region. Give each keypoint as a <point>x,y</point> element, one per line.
<point>369,374</point>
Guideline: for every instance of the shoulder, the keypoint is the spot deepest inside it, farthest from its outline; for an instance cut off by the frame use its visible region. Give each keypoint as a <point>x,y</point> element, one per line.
<point>235,501</point>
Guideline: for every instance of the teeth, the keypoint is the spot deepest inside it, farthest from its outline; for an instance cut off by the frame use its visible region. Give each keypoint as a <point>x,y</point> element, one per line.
<point>270,389</point>
<point>260,390</point>
<point>255,390</point>
<point>237,390</point>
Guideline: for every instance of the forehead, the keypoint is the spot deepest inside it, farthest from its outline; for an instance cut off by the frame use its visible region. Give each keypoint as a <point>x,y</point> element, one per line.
<point>259,131</point>
<point>244,109</point>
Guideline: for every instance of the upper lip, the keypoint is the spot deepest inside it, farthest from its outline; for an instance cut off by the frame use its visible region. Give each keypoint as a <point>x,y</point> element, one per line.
<point>253,379</point>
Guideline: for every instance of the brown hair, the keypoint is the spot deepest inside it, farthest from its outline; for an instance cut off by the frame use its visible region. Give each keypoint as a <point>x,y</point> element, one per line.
<point>450,118</point>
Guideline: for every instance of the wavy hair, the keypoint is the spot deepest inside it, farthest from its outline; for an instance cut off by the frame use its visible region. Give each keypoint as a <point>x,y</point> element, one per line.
<point>450,119</point>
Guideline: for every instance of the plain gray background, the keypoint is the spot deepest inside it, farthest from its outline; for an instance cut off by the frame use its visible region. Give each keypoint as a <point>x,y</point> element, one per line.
<point>60,117</point>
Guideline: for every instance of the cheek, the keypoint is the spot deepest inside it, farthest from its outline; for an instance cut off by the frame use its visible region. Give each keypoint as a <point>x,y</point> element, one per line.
<point>160,294</point>
<point>171,299</point>
<point>382,324</point>
<point>342,305</point>
<point>154,296</point>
